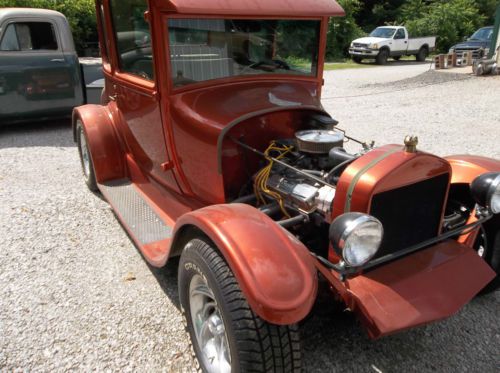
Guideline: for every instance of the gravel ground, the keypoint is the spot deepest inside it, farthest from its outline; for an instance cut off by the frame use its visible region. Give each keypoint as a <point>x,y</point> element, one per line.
<point>75,294</point>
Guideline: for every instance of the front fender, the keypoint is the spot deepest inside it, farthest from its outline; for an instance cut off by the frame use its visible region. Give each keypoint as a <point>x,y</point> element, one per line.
<point>102,141</point>
<point>465,168</point>
<point>274,270</point>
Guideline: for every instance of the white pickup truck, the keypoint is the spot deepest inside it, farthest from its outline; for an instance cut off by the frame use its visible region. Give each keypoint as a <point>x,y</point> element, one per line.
<point>391,41</point>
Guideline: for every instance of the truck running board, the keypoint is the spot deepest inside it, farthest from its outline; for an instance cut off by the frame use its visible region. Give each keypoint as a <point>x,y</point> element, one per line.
<point>136,214</point>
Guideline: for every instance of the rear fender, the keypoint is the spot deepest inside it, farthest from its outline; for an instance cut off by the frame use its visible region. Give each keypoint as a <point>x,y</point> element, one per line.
<point>102,141</point>
<point>274,270</point>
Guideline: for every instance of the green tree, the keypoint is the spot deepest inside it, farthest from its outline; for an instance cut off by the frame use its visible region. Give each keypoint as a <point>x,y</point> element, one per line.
<point>449,20</point>
<point>80,14</point>
<point>341,31</point>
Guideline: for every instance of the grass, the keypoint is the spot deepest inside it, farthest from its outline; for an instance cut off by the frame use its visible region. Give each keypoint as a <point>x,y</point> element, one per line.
<point>347,64</point>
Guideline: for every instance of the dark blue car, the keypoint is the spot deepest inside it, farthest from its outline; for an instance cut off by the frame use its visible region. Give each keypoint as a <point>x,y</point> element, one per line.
<point>478,44</point>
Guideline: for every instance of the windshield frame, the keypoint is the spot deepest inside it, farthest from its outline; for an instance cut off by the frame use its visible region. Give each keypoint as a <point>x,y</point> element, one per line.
<point>315,78</point>
<point>395,29</point>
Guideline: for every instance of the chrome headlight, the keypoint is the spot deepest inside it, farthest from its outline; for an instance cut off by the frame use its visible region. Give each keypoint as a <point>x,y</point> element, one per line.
<point>352,44</point>
<point>356,237</point>
<point>373,46</point>
<point>486,191</point>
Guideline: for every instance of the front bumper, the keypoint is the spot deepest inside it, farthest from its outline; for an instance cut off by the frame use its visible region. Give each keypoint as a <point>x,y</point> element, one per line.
<point>426,286</point>
<point>363,52</point>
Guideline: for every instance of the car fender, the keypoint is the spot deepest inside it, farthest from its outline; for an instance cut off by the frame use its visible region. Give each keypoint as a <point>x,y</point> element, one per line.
<point>274,270</point>
<point>465,168</point>
<point>102,141</point>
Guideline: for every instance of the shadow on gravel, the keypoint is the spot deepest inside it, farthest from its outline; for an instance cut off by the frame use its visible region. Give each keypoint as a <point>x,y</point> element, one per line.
<point>45,134</point>
<point>334,341</point>
<point>167,279</point>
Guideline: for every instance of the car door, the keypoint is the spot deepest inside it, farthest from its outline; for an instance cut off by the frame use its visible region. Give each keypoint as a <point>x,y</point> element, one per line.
<point>400,42</point>
<point>132,86</point>
<point>36,80</point>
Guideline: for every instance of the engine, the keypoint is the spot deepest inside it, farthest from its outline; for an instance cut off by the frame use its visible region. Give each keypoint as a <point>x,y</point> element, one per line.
<point>302,173</point>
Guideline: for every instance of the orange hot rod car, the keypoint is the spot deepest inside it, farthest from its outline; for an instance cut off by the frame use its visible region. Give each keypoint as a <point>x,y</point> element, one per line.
<point>211,144</point>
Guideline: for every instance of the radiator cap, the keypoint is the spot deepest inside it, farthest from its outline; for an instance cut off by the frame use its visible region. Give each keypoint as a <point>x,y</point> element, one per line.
<point>411,143</point>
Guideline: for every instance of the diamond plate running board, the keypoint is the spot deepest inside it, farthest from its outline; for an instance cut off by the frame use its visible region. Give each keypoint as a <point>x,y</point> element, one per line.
<point>138,216</point>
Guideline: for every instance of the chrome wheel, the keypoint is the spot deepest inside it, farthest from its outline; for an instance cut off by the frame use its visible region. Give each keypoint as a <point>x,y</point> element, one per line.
<point>85,153</point>
<point>209,326</point>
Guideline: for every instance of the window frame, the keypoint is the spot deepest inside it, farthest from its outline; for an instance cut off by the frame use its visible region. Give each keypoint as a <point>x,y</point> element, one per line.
<point>119,72</point>
<point>12,21</point>
<point>396,34</point>
<point>241,78</point>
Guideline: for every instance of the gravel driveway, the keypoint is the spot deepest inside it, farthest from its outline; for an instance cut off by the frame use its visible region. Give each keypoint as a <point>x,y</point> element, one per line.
<point>76,295</point>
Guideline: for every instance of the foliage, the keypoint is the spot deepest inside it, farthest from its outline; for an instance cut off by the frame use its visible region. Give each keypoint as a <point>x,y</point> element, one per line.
<point>80,14</point>
<point>450,20</point>
<point>341,31</point>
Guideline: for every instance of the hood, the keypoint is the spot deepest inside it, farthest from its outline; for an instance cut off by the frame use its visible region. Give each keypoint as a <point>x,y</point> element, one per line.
<point>215,107</point>
<point>369,40</point>
<point>472,44</point>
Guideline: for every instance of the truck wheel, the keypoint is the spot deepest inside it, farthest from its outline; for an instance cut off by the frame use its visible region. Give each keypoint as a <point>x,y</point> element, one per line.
<point>85,158</point>
<point>357,59</point>
<point>489,250</point>
<point>226,335</point>
<point>422,54</point>
<point>382,57</point>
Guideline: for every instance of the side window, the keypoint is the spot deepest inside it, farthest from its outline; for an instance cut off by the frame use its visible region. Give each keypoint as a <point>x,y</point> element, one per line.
<point>9,40</point>
<point>400,34</point>
<point>133,37</point>
<point>29,36</point>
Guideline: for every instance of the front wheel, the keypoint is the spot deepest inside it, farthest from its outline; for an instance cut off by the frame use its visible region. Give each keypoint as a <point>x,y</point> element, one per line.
<point>382,57</point>
<point>488,247</point>
<point>226,335</point>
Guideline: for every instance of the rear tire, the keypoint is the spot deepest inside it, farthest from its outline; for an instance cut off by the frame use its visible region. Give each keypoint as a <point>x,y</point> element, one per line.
<point>422,54</point>
<point>382,57</point>
<point>357,59</point>
<point>396,58</point>
<point>217,314</point>
<point>85,158</point>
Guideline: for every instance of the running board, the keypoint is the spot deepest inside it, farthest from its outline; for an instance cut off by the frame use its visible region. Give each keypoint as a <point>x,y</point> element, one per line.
<point>138,216</point>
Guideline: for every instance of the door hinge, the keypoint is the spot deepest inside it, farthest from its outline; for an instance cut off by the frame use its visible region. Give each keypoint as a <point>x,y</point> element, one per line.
<point>167,166</point>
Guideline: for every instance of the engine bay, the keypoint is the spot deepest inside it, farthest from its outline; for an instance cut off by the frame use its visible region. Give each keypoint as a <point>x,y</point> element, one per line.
<point>300,174</point>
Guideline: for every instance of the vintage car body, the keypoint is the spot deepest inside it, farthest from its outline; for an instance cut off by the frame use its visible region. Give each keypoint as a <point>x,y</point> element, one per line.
<point>181,150</point>
<point>40,75</point>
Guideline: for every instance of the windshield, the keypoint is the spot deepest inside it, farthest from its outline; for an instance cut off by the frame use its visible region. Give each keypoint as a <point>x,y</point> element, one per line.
<point>383,32</point>
<point>206,49</point>
<point>483,34</point>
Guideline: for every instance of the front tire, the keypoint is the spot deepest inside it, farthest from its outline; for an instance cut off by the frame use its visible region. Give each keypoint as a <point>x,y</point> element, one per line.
<point>382,57</point>
<point>85,158</point>
<point>489,250</point>
<point>226,335</point>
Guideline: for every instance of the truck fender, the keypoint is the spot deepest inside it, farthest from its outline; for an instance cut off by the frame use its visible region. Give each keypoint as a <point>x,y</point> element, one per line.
<point>102,141</point>
<point>274,270</point>
<point>465,168</point>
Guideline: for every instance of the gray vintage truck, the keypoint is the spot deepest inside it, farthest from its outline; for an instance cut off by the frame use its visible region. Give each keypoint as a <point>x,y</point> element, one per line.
<point>41,76</point>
